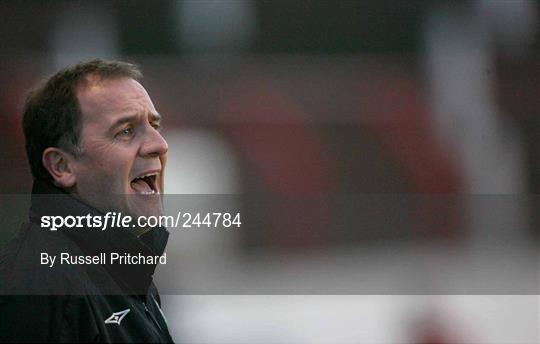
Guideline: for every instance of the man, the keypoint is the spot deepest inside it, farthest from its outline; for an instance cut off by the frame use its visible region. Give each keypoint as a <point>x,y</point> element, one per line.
<point>94,146</point>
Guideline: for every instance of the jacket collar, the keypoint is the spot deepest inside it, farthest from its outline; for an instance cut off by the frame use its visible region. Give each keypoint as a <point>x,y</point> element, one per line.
<point>134,278</point>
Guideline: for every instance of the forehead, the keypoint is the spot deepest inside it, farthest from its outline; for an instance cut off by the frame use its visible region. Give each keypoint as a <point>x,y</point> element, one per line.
<point>102,100</point>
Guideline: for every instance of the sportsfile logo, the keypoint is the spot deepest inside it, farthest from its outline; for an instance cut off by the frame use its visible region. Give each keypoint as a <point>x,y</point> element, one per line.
<point>117,317</point>
<point>117,220</point>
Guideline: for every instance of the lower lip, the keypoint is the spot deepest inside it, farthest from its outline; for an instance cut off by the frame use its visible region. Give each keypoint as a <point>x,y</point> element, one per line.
<point>148,194</point>
<point>145,194</point>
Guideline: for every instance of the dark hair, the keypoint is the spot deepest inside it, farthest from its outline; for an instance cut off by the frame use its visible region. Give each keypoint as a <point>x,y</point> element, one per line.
<point>52,114</point>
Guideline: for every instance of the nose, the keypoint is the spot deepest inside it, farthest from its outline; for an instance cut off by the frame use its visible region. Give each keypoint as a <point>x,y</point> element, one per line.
<point>154,145</point>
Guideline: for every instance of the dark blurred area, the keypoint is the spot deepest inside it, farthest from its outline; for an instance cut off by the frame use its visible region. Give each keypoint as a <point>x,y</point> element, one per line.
<point>313,112</point>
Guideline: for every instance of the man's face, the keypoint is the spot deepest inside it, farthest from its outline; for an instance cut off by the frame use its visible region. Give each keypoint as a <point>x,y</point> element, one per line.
<point>123,154</point>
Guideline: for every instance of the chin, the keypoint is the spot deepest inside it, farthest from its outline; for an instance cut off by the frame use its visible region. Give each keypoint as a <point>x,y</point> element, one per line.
<point>145,205</point>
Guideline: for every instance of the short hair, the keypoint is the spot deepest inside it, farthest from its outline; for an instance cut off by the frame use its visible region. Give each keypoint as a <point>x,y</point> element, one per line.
<point>52,113</point>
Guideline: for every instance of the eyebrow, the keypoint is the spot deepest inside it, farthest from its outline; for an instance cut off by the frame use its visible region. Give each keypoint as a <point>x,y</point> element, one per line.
<point>154,116</point>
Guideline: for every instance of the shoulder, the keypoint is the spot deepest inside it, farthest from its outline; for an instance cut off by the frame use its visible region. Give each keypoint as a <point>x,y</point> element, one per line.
<point>40,318</point>
<point>26,268</point>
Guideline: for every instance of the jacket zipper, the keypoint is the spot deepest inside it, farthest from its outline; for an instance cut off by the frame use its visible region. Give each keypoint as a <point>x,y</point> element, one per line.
<point>160,311</point>
<point>151,316</point>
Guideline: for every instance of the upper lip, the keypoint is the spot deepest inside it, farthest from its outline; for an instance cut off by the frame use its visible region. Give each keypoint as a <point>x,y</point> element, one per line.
<point>147,173</point>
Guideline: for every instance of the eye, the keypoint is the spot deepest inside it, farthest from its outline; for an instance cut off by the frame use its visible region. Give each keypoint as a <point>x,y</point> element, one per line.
<point>126,132</point>
<point>156,126</point>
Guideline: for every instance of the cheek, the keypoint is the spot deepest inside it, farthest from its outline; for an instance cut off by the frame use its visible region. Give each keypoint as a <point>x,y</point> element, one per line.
<point>107,170</point>
<point>117,171</point>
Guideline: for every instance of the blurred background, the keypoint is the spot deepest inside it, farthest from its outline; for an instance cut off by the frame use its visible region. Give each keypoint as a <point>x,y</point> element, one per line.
<point>385,156</point>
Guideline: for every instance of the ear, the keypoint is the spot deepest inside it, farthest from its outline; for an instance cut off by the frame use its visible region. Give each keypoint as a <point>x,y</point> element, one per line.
<point>59,165</point>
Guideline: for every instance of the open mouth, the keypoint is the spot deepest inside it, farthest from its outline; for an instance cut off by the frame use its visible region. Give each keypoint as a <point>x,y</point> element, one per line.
<point>145,184</point>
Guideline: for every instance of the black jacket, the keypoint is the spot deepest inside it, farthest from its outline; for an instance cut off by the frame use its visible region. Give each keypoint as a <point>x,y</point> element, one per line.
<point>78,303</point>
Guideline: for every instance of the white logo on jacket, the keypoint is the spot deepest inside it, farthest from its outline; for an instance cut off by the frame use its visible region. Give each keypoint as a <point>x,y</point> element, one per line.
<point>117,317</point>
